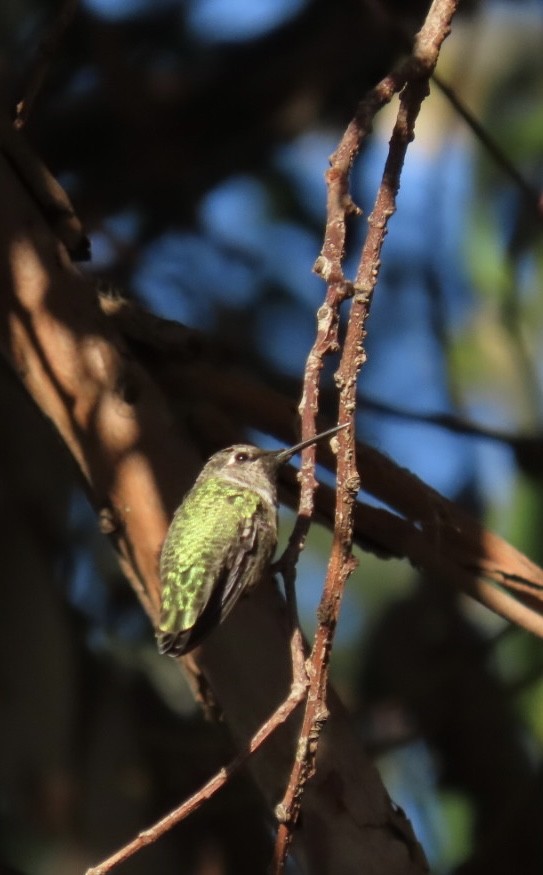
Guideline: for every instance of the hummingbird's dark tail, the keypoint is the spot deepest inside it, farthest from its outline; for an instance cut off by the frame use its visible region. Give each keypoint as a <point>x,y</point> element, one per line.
<point>172,643</point>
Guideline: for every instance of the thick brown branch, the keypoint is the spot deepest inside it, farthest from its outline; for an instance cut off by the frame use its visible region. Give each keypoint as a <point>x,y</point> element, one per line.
<point>136,465</point>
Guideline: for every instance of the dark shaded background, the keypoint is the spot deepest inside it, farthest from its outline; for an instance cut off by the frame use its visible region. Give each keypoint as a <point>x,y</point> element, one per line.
<point>193,139</point>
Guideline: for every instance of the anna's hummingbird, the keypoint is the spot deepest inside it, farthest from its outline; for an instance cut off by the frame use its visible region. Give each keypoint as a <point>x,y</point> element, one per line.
<point>220,542</point>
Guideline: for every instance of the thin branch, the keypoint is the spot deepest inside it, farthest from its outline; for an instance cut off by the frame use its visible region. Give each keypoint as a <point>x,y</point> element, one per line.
<point>399,33</point>
<point>211,787</point>
<point>452,422</point>
<point>533,197</point>
<point>194,358</point>
<point>415,72</point>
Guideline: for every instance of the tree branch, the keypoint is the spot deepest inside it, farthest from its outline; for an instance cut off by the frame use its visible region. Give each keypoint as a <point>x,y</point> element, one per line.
<point>136,462</point>
<point>413,78</point>
<point>211,787</point>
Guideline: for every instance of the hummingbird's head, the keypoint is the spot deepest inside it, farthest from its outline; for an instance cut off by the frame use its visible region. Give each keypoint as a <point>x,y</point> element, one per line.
<point>249,466</point>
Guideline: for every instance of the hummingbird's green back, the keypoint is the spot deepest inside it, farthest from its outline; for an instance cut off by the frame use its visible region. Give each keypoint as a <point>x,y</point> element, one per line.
<point>220,541</point>
<point>218,544</point>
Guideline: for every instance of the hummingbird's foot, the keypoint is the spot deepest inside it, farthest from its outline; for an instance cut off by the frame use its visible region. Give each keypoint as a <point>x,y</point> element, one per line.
<point>277,567</point>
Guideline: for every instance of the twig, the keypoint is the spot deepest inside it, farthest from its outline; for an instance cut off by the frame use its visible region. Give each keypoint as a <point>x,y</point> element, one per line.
<point>415,72</point>
<point>216,783</point>
<point>400,33</point>
<point>533,197</point>
<point>44,56</point>
<point>329,266</point>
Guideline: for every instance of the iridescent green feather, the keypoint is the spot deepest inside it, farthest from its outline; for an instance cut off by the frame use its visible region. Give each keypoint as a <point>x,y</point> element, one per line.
<point>212,538</point>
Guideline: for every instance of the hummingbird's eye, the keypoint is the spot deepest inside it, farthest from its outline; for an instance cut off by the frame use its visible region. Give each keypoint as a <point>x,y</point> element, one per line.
<point>242,457</point>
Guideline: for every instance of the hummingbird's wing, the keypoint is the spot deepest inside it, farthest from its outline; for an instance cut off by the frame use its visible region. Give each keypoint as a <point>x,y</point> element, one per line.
<point>218,544</point>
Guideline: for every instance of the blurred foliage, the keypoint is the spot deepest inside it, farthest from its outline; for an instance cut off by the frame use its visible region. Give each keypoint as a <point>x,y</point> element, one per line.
<point>193,138</point>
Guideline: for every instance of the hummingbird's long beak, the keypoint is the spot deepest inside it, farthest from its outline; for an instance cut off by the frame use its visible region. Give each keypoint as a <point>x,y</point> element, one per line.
<point>284,455</point>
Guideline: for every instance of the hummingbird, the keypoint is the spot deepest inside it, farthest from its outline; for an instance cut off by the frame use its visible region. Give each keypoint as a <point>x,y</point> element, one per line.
<point>220,542</point>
